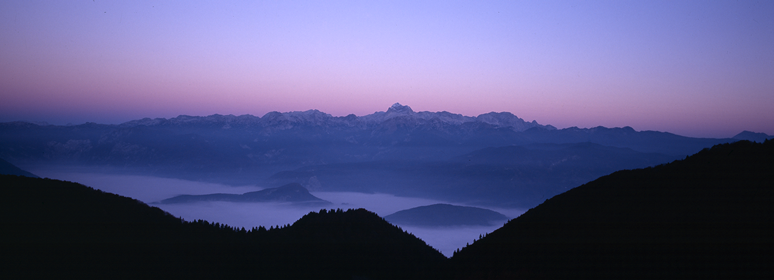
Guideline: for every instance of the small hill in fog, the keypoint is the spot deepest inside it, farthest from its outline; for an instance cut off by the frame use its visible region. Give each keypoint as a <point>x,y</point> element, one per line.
<point>753,136</point>
<point>439,215</point>
<point>292,192</point>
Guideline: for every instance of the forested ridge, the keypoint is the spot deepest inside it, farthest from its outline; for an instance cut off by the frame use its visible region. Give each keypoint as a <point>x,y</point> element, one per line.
<point>53,228</point>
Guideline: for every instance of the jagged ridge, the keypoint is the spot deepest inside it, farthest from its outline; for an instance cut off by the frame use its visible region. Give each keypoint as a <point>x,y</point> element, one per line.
<point>314,117</point>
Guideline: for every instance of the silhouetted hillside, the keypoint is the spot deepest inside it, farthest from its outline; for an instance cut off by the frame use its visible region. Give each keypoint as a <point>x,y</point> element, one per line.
<point>357,243</point>
<point>292,192</point>
<point>438,215</point>
<point>708,216</point>
<point>54,229</point>
<point>6,168</point>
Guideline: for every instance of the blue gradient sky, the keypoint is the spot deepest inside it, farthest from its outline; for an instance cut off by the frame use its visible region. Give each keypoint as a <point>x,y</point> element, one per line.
<point>695,68</point>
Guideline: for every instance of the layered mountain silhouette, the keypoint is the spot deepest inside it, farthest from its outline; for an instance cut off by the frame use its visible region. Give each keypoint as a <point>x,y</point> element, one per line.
<point>445,215</point>
<point>397,151</point>
<point>710,215</point>
<point>293,192</point>
<point>54,229</point>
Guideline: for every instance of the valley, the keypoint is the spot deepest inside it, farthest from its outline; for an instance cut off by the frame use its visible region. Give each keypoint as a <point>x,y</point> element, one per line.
<point>706,215</point>
<point>152,190</point>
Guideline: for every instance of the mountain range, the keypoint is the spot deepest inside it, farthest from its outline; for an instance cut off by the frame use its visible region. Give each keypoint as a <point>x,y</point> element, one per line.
<point>421,154</point>
<point>288,120</point>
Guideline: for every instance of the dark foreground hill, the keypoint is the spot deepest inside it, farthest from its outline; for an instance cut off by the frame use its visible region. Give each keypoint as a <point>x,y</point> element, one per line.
<point>53,229</point>
<point>440,215</point>
<point>708,216</point>
<point>293,193</point>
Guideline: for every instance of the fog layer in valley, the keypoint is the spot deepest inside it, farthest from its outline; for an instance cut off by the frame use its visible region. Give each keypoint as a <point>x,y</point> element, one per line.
<point>153,189</point>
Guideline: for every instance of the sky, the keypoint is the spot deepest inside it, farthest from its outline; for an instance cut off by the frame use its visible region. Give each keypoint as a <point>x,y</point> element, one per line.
<point>694,68</point>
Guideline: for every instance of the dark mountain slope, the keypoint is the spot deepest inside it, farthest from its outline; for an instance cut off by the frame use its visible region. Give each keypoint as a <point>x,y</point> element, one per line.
<point>438,215</point>
<point>53,229</point>
<point>708,216</point>
<point>293,192</point>
<point>6,168</point>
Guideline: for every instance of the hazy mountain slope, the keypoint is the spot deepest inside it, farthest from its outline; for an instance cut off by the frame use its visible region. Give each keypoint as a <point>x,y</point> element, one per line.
<point>6,168</point>
<point>54,229</point>
<point>293,192</point>
<point>511,176</point>
<point>624,137</point>
<point>708,216</point>
<point>440,215</point>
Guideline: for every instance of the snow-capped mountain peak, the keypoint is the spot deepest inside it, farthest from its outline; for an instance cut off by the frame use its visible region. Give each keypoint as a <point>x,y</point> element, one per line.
<point>401,109</point>
<point>288,120</point>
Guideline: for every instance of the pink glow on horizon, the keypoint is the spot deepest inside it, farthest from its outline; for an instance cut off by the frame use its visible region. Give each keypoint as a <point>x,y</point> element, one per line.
<point>691,68</point>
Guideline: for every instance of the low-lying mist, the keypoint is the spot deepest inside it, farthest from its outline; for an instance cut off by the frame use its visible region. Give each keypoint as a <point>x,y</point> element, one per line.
<point>151,190</point>
<point>147,189</point>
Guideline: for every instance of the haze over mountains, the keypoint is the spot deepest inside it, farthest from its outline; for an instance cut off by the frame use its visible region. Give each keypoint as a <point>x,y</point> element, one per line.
<point>437,155</point>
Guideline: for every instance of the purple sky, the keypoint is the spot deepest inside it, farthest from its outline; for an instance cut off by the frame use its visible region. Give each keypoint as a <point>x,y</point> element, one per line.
<point>695,68</point>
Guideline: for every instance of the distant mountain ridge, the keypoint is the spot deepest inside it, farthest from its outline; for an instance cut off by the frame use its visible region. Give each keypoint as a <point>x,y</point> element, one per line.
<point>364,154</point>
<point>753,136</point>
<point>288,120</point>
